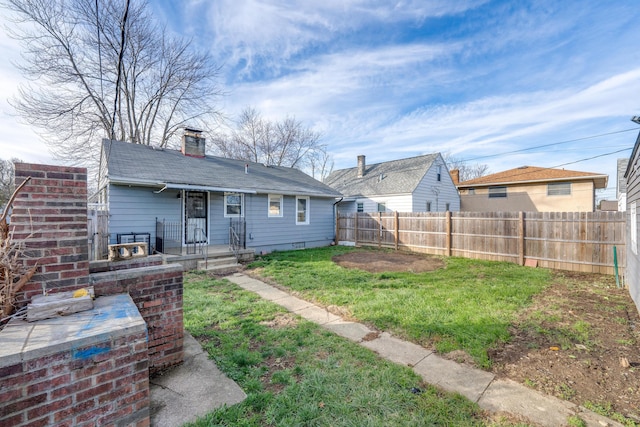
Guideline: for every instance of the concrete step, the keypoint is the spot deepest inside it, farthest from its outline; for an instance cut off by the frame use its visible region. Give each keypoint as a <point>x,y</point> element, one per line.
<point>227,264</point>
<point>221,260</point>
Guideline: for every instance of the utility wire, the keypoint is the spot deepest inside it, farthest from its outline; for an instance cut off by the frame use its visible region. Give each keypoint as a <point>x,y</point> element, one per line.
<point>526,172</point>
<point>548,145</point>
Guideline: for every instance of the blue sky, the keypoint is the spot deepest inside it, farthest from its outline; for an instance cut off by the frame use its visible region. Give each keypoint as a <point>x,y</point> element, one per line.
<point>476,79</point>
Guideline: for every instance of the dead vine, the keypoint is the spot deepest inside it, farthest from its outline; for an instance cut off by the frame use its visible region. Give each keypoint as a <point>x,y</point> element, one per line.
<point>13,273</point>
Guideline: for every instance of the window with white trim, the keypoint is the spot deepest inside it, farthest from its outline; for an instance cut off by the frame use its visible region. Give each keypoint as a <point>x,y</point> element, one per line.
<point>233,205</point>
<point>302,210</point>
<point>559,189</point>
<point>275,206</point>
<point>360,207</point>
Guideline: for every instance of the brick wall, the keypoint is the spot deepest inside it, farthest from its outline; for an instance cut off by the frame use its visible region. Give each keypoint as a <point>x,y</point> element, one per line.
<point>51,210</point>
<point>157,292</point>
<point>105,388</point>
<point>99,379</point>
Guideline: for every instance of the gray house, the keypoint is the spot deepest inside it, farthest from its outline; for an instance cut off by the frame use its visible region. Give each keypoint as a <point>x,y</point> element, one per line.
<point>178,198</point>
<point>632,176</point>
<point>416,184</point>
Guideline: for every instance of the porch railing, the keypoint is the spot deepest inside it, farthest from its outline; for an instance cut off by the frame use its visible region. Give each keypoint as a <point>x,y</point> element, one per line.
<point>237,228</point>
<point>168,237</point>
<point>199,243</point>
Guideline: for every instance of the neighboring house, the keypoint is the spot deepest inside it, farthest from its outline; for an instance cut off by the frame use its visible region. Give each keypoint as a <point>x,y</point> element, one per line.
<point>276,208</point>
<point>632,176</point>
<point>416,184</point>
<point>621,184</point>
<point>532,189</point>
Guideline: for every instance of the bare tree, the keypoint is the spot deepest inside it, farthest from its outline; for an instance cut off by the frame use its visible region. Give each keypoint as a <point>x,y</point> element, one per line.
<point>467,171</point>
<point>101,68</point>
<point>282,143</point>
<point>7,182</point>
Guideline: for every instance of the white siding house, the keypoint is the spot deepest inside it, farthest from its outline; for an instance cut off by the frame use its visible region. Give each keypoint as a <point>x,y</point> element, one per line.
<point>416,184</point>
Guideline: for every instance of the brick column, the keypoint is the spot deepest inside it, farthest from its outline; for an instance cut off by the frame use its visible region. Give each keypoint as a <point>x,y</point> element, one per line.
<point>50,215</point>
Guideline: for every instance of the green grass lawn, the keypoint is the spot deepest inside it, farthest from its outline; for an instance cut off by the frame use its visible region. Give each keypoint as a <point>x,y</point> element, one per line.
<point>467,305</point>
<point>298,374</point>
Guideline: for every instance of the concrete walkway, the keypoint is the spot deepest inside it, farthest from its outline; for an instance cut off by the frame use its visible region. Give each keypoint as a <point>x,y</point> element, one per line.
<point>191,390</point>
<point>495,395</point>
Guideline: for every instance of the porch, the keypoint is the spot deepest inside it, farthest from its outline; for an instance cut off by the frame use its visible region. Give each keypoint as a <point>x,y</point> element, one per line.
<point>216,258</point>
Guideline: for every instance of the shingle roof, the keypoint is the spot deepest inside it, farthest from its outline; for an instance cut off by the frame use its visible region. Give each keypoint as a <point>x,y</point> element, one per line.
<point>137,163</point>
<point>392,177</point>
<point>531,174</point>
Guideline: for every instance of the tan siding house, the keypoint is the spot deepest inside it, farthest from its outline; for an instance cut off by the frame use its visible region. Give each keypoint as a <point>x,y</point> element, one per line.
<point>532,189</point>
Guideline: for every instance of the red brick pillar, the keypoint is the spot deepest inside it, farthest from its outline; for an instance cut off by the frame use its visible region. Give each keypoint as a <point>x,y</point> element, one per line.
<point>50,216</point>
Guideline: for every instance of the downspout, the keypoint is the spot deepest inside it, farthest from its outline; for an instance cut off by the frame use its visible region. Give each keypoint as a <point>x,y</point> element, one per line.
<point>335,221</point>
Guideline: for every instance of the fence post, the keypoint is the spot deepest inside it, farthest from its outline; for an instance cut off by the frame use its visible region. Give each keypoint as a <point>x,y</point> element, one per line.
<point>448,233</point>
<point>379,229</point>
<point>396,226</point>
<point>355,229</point>
<point>337,238</point>
<point>521,238</point>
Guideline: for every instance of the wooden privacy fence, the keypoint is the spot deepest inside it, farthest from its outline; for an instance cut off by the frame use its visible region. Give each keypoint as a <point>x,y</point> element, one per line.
<point>575,241</point>
<point>98,234</point>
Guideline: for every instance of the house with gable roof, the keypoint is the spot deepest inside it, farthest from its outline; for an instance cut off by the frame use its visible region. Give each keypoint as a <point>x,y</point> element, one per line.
<point>206,199</point>
<point>532,189</point>
<point>416,184</point>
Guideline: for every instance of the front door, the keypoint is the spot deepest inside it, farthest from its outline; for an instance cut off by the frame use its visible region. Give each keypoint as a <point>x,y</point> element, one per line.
<point>195,217</point>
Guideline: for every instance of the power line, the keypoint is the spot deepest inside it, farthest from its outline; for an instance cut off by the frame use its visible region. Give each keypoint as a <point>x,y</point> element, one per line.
<point>526,172</point>
<point>549,145</point>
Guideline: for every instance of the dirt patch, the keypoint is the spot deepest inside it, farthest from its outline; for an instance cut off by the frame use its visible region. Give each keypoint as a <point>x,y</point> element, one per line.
<point>381,261</point>
<point>578,341</point>
<point>282,320</point>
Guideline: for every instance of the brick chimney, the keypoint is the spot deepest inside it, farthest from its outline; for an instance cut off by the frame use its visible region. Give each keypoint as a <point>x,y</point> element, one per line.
<point>193,144</point>
<point>361,166</point>
<point>455,176</point>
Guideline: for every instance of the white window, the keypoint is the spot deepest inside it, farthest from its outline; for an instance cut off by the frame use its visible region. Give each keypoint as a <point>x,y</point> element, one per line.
<point>233,205</point>
<point>275,205</point>
<point>302,210</point>
<point>559,189</point>
<point>360,207</point>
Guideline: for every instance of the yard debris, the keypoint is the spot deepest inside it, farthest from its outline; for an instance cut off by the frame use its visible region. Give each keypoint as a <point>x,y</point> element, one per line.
<point>624,362</point>
<point>13,273</point>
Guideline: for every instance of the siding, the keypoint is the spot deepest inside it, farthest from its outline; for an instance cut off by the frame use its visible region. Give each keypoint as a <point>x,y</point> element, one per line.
<point>446,189</point>
<point>633,259</point>
<point>370,204</point>
<point>135,209</point>
<point>266,234</point>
